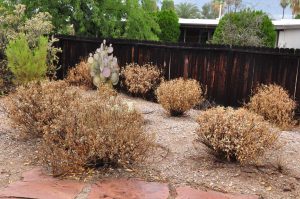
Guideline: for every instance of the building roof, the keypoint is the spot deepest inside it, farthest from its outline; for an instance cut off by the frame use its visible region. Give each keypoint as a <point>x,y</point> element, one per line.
<point>279,24</point>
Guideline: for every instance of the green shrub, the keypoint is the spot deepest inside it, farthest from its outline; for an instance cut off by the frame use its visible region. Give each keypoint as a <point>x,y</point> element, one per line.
<point>245,28</point>
<point>178,96</point>
<point>26,64</point>
<point>169,26</point>
<point>235,135</point>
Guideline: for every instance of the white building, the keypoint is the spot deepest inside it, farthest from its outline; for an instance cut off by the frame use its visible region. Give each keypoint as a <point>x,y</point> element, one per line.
<point>201,30</point>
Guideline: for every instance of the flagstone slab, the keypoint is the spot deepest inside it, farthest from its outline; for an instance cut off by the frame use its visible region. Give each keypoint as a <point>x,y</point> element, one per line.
<point>129,189</point>
<point>37,185</point>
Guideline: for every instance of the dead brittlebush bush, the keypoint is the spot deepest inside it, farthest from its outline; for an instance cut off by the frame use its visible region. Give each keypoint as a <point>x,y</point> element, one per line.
<point>106,90</point>
<point>179,95</point>
<point>141,80</point>
<point>274,104</point>
<point>80,76</point>
<point>95,133</point>
<point>235,135</point>
<point>35,105</point>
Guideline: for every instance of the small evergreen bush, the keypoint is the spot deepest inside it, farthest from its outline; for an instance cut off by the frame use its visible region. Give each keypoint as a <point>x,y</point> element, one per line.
<point>26,64</point>
<point>179,95</point>
<point>169,25</point>
<point>245,28</point>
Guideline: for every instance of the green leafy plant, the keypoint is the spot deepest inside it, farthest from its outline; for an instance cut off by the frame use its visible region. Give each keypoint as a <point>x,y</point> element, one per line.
<point>26,64</point>
<point>14,22</point>
<point>141,24</point>
<point>235,135</point>
<point>245,28</point>
<point>169,25</point>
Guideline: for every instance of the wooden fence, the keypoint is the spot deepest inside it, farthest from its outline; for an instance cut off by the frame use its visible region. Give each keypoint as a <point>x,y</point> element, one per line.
<point>228,73</point>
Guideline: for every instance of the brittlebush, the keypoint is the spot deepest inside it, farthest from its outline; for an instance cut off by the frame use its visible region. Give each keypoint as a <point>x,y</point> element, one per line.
<point>80,76</point>
<point>94,133</point>
<point>141,80</point>
<point>235,135</point>
<point>274,104</point>
<point>35,105</point>
<point>179,95</point>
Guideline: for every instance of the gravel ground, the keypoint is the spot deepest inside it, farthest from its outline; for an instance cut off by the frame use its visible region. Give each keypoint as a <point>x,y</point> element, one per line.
<point>179,159</point>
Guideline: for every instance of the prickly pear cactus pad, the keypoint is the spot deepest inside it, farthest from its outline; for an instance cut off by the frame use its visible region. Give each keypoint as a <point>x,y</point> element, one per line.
<point>104,66</point>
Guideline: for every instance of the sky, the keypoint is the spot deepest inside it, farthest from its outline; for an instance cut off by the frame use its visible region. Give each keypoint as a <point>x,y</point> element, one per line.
<point>272,7</point>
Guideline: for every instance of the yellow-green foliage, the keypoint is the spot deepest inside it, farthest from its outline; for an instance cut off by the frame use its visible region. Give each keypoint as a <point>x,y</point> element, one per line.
<point>179,95</point>
<point>140,80</point>
<point>26,64</point>
<point>274,104</point>
<point>235,135</point>
<point>93,133</point>
<point>33,106</point>
<point>80,76</point>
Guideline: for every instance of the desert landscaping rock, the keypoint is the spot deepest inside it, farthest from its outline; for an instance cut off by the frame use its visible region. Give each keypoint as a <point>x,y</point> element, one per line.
<point>134,189</point>
<point>37,185</point>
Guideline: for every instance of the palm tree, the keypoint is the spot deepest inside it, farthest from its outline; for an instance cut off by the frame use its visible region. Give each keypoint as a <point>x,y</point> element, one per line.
<point>220,5</point>
<point>187,10</point>
<point>284,4</point>
<point>295,5</point>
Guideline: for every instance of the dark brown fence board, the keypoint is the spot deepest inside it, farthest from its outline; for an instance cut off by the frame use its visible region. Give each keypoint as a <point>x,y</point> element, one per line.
<point>228,73</point>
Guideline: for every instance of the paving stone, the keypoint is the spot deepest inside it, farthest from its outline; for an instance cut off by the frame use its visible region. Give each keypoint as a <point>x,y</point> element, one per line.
<point>129,189</point>
<point>37,185</point>
<point>189,193</point>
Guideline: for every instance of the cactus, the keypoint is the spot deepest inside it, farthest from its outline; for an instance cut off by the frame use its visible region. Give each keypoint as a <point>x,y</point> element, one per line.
<point>104,66</point>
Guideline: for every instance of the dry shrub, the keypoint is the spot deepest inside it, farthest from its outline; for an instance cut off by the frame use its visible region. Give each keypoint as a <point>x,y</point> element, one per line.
<point>179,95</point>
<point>235,135</point>
<point>106,90</point>
<point>36,105</point>
<point>80,76</point>
<point>141,80</point>
<point>98,132</point>
<point>274,104</point>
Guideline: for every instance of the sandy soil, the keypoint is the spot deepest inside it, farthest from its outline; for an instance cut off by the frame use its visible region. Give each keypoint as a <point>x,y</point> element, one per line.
<point>179,159</point>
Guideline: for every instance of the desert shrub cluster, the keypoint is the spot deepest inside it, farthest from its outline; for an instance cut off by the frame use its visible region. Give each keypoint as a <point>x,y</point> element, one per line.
<point>141,80</point>
<point>274,104</point>
<point>235,135</point>
<point>35,105</point>
<point>179,95</point>
<point>79,131</point>
<point>96,133</point>
<point>80,76</point>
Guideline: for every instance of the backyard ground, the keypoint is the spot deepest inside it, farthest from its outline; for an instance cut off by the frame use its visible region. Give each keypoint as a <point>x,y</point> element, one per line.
<point>179,160</point>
